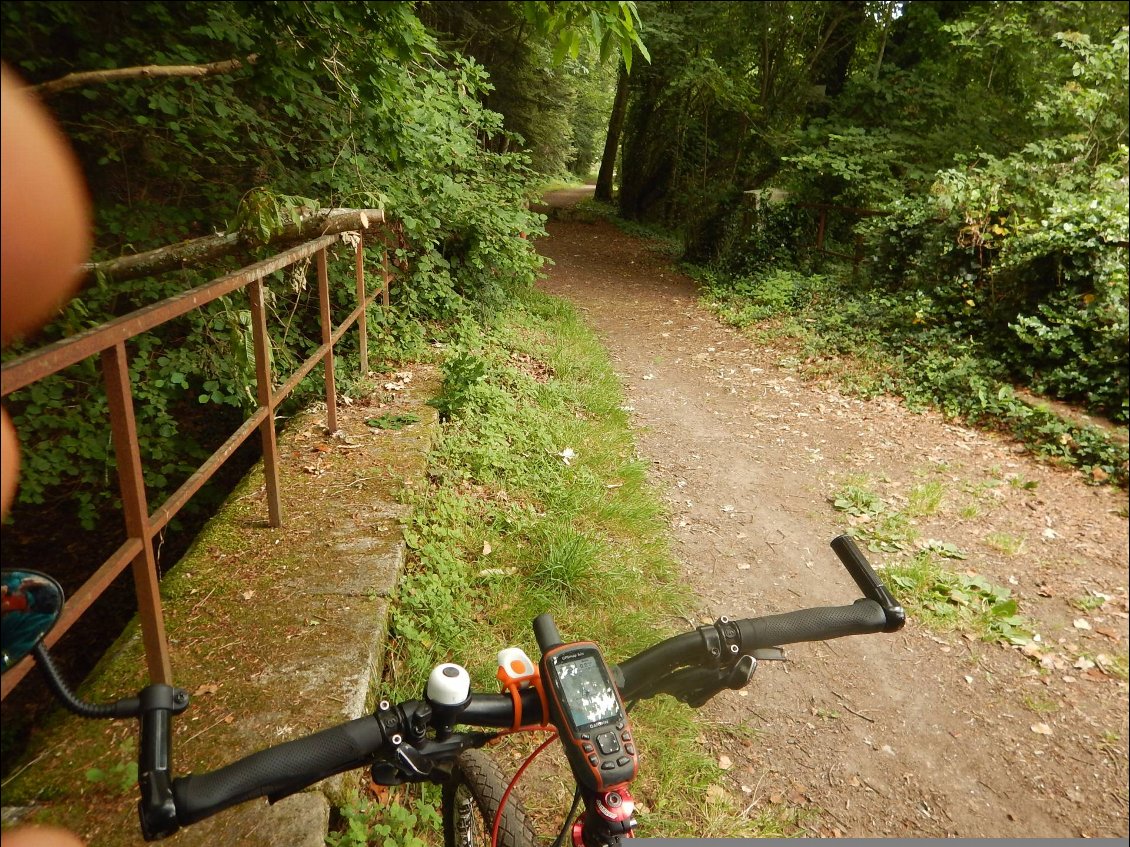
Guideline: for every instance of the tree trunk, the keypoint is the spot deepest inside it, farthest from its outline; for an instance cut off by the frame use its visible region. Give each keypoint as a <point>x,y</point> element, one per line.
<point>612,141</point>
<point>199,250</point>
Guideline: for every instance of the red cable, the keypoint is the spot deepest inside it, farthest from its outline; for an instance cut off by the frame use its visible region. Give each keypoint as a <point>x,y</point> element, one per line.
<point>514,781</point>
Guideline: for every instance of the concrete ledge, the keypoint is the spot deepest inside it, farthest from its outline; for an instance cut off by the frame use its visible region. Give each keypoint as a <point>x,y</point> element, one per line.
<point>276,633</point>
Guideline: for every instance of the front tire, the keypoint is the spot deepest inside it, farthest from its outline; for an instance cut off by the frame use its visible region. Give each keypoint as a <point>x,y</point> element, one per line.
<point>470,802</point>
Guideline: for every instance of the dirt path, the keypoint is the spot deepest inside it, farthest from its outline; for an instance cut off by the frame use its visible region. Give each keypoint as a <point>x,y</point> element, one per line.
<point>917,734</point>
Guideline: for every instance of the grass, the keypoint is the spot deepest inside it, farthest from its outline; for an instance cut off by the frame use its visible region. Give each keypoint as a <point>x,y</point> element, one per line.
<point>1040,705</point>
<point>538,503</point>
<point>1005,542</point>
<point>925,499</point>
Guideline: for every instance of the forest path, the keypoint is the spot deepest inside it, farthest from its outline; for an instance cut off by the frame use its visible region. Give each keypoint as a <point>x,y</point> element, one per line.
<point>915,734</point>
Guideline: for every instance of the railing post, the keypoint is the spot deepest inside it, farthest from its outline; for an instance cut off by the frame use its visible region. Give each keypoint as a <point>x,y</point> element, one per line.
<point>363,321</point>
<point>327,338</point>
<point>123,426</point>
<point>265,393</point>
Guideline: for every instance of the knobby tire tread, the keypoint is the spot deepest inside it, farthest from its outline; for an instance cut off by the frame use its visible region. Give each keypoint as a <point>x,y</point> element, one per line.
<point>486,783</point>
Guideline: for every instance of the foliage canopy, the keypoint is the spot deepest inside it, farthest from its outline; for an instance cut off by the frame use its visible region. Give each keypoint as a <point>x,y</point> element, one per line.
<point>326,104</point>
<point>991,137</point>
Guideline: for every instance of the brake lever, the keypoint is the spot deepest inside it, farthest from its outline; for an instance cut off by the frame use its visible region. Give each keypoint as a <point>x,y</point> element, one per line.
<point>695,686</point>
<point>417,762</point>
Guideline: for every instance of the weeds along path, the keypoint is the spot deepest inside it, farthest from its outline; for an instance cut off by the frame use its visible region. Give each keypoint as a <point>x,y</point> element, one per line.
<point>924,733</point>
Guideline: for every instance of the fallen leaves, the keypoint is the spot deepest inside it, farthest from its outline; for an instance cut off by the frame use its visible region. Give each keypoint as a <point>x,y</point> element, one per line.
<point>400,381</point>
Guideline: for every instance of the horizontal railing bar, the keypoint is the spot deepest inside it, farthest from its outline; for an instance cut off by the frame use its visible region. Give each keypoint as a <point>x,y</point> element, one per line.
<point>176,501</point>
<point>295,378</point>
<point>76,605</point>
<point>69,351</point>
<point>53,358</point>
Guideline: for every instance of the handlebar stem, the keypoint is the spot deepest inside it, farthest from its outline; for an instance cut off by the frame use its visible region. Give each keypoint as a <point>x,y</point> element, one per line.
<point>156,809</point>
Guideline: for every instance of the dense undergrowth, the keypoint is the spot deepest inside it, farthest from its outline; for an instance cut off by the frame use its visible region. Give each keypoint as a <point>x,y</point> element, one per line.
<point>873,344</point>
<point>326,105</point>
<point>538,502</point>
<point>972,155</point>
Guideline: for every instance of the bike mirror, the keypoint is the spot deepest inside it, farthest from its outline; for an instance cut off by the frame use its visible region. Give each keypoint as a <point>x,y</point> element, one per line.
<point>30,604</point>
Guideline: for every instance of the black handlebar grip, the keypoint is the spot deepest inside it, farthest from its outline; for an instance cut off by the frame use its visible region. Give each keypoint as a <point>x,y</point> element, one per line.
<point>278,771</point>
<point>545,631</point>
<point>868,581</point>
<point>862,617</point>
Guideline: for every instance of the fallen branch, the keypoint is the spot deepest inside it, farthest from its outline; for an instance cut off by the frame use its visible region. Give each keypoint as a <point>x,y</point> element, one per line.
<point>81,78</point>
<point>198,251</point>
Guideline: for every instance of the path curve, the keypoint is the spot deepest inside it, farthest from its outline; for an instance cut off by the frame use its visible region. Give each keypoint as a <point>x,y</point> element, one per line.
<point>916,734</point>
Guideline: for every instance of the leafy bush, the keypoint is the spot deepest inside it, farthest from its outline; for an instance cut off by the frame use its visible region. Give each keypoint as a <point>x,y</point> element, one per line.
<point>1004,238</point>
<point>356,106</point>
<point>461,373</point>
<point>748,299</point>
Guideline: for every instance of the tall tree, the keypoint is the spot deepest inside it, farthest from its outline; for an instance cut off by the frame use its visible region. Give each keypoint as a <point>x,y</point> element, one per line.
<point>612,139</point>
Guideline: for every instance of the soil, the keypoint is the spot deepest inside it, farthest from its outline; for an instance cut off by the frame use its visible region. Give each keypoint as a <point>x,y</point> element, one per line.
<point>923,733</point>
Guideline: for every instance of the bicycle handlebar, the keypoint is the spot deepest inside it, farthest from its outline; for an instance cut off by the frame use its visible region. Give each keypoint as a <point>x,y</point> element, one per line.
<point>692,666</point>
<point>641,674</point>
<point>282,770</point>
<point>279,771</point>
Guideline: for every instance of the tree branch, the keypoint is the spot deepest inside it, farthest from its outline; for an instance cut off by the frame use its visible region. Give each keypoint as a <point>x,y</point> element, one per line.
<point>82,78</point>
<point>200,250</point>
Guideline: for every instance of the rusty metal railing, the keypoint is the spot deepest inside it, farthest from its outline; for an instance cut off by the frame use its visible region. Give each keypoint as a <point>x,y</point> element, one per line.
<point>142,524</point>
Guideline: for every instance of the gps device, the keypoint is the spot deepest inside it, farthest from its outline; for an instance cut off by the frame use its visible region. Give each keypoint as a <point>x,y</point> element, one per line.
<point>590,719</point>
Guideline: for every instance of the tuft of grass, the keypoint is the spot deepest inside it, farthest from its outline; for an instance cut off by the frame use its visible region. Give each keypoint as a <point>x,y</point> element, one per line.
<point>1040,705</point>
<point>1118,666</point>
<point>569,569</point>
<point>925,499</point>
<point>1004,542</point>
